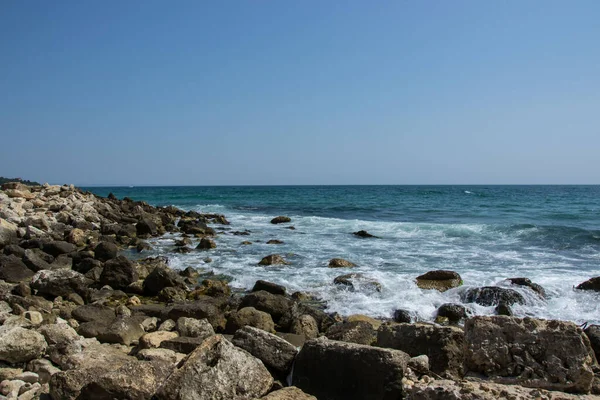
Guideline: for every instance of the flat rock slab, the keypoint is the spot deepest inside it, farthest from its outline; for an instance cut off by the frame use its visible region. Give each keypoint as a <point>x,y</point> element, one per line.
<point>335,370</point>
<point>272,350</point>
<point>552,355</point>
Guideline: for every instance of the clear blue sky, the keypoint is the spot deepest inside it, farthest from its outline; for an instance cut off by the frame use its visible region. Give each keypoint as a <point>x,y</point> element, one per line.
<point>300,92</point>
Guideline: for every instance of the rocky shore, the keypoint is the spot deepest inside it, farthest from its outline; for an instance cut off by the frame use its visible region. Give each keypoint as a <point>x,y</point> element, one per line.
<point>79,320</point>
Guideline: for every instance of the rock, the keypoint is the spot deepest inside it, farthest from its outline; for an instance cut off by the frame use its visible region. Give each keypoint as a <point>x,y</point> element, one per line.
<point>195,228</point>
<point>268,287</point>
<point>161,277</point>
<point>15,250</point>
<point>8,232</point>
<point>44,369</point>
<point>213,288</point>
<point>273,351</point>
<point>207,307</point>
<point>167,326</point>
<point>94,312</point>
<point>35,317</point>
<point>305,325</point>
<point>154,339</point>
<point>280,220</point>
<point>62,262</point>
<point>217,370</point>
<point>402,315</point>
<point>441,280</point>
<point>492,295</point>
<point>150,324</point>
<point>336,370</point>
<point>273,259</point>
<point>527,283</point>
<point>19,345</point>
<point>340,263</point>
<point>146,228</point>
<point>13,270</point>
<point>454,312</point>
<point>358,332</point>
<point>59,247</point>
<point>288,393</point>
<point>191,327</point>
<point>172,295</point>
<point>375,323</point>
<point>60,282</point>
<point>59,335</point>
<point>503,309</point>
<point>118,273</point>
<point>77,237</point>
<point>165,355</point>
<point>86,265</point>
<point>206,244</point>
<point>363,234</point>
<point>358,282</point>
<point>525,352</point>
<point>183,242</point>
<point>442,344</point>
<point>249,316</point>
<point>37,260</point>
<point>593,334</point>
<point>275,305</point>
<point>419,364</point>
<point>591,284</point>
<point>183,345</point>
<point>122,330</point>
<point>105,251</point>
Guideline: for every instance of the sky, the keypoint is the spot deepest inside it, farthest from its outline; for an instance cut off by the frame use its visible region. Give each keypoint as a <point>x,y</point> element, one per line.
<point>300,92</point>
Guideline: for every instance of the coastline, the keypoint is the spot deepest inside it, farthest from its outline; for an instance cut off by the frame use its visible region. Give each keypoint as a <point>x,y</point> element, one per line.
<point>62,272</point>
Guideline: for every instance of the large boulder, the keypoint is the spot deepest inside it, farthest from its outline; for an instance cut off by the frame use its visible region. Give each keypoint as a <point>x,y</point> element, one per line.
<point>192,327</point>
<point>281,220</point>
<point>161,277</point>
<point>37,260</point>
<point>8,232</point>
<point>492,296</point>
<point>60,282</point>
<point>441,280</point>
<point>552,355</point>
<point>19,345</point>
<point>59,247</point>
<point>275,305</point>
<point>249,316</point>
<point>13,270</point>
<point>335,370</point>
<point>592,284</point>
<point>359,332</point>
<point>454,312</point>
<point>205,307</point>
<point>123,330</point>
<point>119,273</point>
<point>217,370</point>
<point>442,344</point>
<point>268,287</point>
<point>206,244</point>
<point>94,312</point>
<point>145,228</point>
<point>273,351</point>
<point>105,251</point>
<point>593,334</point>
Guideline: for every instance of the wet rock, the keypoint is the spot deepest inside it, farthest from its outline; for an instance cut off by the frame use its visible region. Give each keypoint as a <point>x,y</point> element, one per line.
<point>105,251</point>
<point>527,283</point>
<point>273,259</point>
<point>503,309</point>
<point>492,295</point>
<point>19,345</point>
<point>274,241</point>
<point>359,282</point>
<point>195,228</point>
<point>442,344</point>
<point>217,370</point>
<point>454,312</point>
<point>59,247</point>
<point>161,277</point>
<point>146,228</point>
<point>288,393</point>
<point>593,334</point>
<point>118,273</point>
<point>212,288</point>
<point>275,305</point>
<point>441,280</point>
<point>13,270</point>
<point>525,352</point>
<point>191,327</point>
<point>363,234</point>
<point>359,372</point>
<point>206,244</point>
<point>249,316</point>
<point>340,263</point>
<point>281,220</point>
<point>268,287</point>
<point>592,284</point>
<point>306,326</point>
<point>402,315</point>
<point>273,351</point>
<point>60,282</point>
<point>358,332</point>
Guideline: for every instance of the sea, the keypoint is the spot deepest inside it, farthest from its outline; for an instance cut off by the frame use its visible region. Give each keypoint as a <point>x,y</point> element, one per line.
<point>549,234</point>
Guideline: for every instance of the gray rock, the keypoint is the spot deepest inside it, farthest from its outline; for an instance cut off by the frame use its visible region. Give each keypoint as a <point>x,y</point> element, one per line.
<point>20,345</point>
<point>60,282</point>
<point>59,247</point>
<point>94,312</point>
<point>358,332</point>
<point>122,330</point>
<point>191,327</point>
<point>13,270</point>
<point>184,345</point>
<point>37,260</point>
<point>288,393</point>
<point>275,305</point>
<point>273,351</point>
<point>335,370</point>
<point>206,307</point>
<point>217,370</point>
<point>492,296</point>
<point>105,251</point>
<point>249,316</point>
<point>161,277</point>
<point>118,273</point>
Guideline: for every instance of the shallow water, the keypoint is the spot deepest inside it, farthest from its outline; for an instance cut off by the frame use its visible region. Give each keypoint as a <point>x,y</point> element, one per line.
<point>550,234</point>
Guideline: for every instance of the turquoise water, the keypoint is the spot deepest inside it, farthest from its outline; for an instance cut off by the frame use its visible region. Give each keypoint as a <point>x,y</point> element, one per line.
<point>550,234</point>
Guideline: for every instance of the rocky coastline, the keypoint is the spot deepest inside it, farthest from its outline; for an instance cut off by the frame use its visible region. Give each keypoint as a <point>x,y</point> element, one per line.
<point>79,320</point>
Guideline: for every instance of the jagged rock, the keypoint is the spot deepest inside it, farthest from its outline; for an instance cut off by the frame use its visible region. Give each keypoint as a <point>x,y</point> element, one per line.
<point>122,330</point>
<point>403,316</point>
<point>441,280</point>
<point>59,247</point>
<point>195,228</point>
<point>525,352</point>
<point>172,295</point>
<point>60,282</point>
<point>335,370</point>
<point>105,251</point>
<point>363,234</point>
<point>206,244</point>
<point>275,305</point>
<point>281,220</point>
<point>268,287</point>
<point>13,270</point>
<point>591,284</point>
<point>206,307</point>
<point>118,273</point>
<point>154,339</point>
<point>15,250</point>
<point>273,259</point>
<point>161,277</point>
<point>165,355</point>
<point>527,283</point>
<point>213,288</point>
<point>94,312</point>
<point>273,351</point>
<point>305,325</point>
<point>37,260</point>
<point>454,312</point>
<point>288,393</point>
<point>19,345</point>
<point>43,368</point>
<point>442,344</point>
<point>492,296</point>
<point>86,265</point>
<point>217,370</point>
<point>191,327</point>
<point>249,316</point>
<point>358,332</point>
<point>146,228</point>
<point>340,263</point>
<point>593,334</point>
<point>59,335</point>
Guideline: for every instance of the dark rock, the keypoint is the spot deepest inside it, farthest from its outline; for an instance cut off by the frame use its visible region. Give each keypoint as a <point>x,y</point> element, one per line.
<point>172,294</point>
<point>13,270</point>
<point>454,312</point>
<point>37,260</point>
<point>503,309</point>
<point>94,312</point>
<point>359,282</point>
<point>183,242</point>
<point>189,272</point>
<point>146,228</point>
<point>345,371</point>
<point>340,263</point>
<point>61,262</point>
<point>118,273</point>
<point>492,295</point>
<point>206,244</point>
<point>441,280</point>
<point>93,328</point>
<point>402,315</point>
<point>268,287</point>
<point>60,282</point>
<point>59,247</point>
<point>22,289</point>
<point>105,251</point>
<point>182,250</point>
<point>249,316</point>
<point>591,284</point>
<point>213,288</point>
<point>183,344</point>
<point>161,277</point>
<point>280,220</point>
<point>123,330</point>
<point>274,352</point>
<point>442,344</point>
<point>273,259</point>
<point>142,246</point>
<point>527,283</point>
<point>195,228</point>
<point>274,241</point>
<point>275,305</point>
<point>15,250</point>
<point>593,334</point>
<point>86,265</point>
<point>358,332</point>
<point>363,234</point>
<point>209,307</point>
